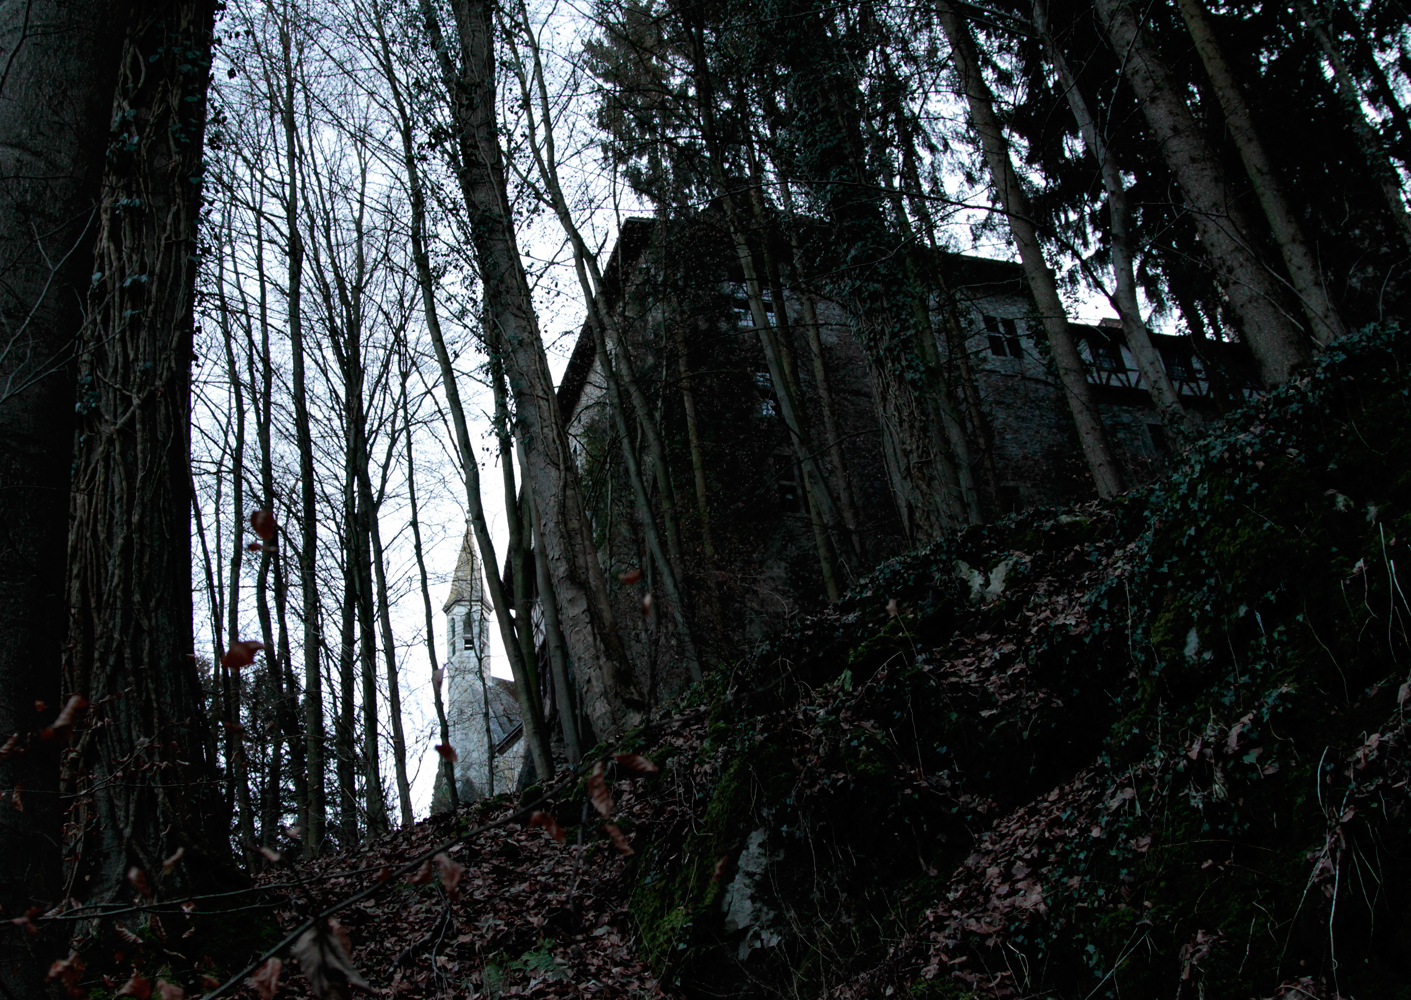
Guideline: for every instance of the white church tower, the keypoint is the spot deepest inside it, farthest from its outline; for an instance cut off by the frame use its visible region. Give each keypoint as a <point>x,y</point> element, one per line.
<point>482,710</point>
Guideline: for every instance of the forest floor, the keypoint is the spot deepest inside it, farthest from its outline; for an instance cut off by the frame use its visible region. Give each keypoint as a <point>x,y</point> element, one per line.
<point>493,905</point>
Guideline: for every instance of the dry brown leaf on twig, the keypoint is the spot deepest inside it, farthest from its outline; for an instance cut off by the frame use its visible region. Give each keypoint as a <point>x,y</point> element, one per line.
<point>598,791</point>
<point>636,762</point>
<point>322,954</point>
<point>451,872</point>
<point>618,838</point>
<point>550,825</point>
<point>266,979</point>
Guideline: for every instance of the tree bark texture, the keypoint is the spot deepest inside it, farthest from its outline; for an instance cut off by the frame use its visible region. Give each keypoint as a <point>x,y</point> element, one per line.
<point>145,776</point>
<point>56,96</point>
<point>611,698</point>
<point>1224,233</point>
<point>1158,384</point>
<point>1324,322</point>
<point>1010,192</point>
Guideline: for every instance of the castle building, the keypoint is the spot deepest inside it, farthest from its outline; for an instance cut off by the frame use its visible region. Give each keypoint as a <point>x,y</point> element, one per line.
<point>482,710</point>
<point>677,295</point>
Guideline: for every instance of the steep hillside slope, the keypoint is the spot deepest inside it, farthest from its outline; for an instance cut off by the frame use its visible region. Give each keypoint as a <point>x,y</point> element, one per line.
<point>1148,747</point>
<point>1154,747</point>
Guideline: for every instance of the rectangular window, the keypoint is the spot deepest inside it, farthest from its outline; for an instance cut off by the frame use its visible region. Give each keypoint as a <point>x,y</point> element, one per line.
<point>1003,336</point>
<point>468,632</point>
<point>1158,439</point>
<point>1179,367</point>
<point>1107,355</point>
<point>743,316</point>
<point>786,481</point>
<point>1011,338</point>
<point>764,385</point>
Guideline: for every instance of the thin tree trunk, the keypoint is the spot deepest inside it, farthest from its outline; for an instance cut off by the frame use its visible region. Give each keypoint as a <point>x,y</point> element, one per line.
<point>611,697</point>
<point>236,756</point>
<point>345,737</point>
<point>813,335</point>
<point>693,439</point>
<point>146,761</point>
<point>1250,287</point>
<point>394,689</point>
<point>619,371</point>
<point>308,515</point>
<point>1071,373</point>
<point>272,561</point>
<point>531,703</point>
<point>448,769</point>
<point>639,493</point>
<point>1324,322</point>
<point>1158,383</point>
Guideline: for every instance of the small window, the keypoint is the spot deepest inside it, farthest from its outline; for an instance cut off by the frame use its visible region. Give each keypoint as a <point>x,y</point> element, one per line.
<point>468,632</point>
<point>1108,356</point>
<point>764,385</point>
<point>743,316</point>
<point>1003,336</point>
<point>786,481</point>
<point>451,622</point>
<point>1159,442</point>
<point>1179,367</point>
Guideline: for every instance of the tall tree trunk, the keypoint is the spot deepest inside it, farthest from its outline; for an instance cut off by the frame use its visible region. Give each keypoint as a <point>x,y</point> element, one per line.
<point>619,371</point>
<point>146,761</point>
<point>361,517</point>
<point>56,100</point>
<point>878,293</point>
<point>553,634</point>
<point>821,504</point>
<point>394,687</point>
<point>1224,234</point>
<point>611,697</point>
<point>803,281</point>
<point>308,523</point>
<point>448,769</point>
<point>285,687</point>
<point>531,702</point>
<point>237,759</point>
<point>345,734</point>
<point>1324,322</point>
<point>1071,373</point>
<point>1158,383</point>
<point>693,439</point>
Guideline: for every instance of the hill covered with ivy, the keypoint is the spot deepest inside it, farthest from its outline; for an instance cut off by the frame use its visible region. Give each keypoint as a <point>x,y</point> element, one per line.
<point>1151,746</point>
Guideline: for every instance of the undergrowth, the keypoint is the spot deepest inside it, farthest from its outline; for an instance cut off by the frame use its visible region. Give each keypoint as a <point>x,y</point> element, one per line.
<point>1151,746</point>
